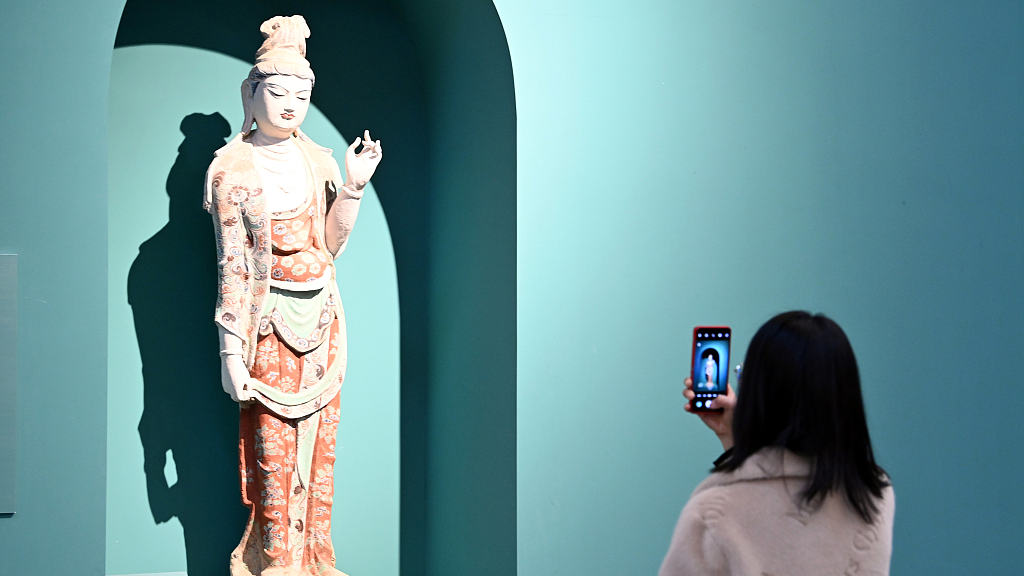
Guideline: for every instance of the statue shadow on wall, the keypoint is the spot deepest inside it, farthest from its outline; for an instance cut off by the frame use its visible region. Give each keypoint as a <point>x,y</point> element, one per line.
<point>172,289</point>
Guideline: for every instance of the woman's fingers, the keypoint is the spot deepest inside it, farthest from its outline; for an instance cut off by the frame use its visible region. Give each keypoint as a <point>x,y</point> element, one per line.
<point>688,390</point>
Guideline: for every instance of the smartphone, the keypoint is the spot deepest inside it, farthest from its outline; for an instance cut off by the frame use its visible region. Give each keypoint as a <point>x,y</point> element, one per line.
<point>710,366</point>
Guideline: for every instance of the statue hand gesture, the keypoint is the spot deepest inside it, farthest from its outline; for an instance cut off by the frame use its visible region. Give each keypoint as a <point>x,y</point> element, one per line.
<point>359,168</point>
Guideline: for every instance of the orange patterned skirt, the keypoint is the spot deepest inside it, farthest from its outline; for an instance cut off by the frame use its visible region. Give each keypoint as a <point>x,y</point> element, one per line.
<point>286,466</point>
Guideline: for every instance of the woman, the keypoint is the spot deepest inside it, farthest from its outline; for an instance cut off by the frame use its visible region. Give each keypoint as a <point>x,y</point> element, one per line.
<point>797,490</point>
<point>282,215</point>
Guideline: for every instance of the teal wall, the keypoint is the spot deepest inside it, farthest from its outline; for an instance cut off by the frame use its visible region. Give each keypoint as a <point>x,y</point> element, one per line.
<point>863,159</point>
<point>167,404</point>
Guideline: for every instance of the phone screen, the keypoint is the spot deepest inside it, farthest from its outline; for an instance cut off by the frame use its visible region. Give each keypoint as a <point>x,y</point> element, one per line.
<point>710,363</point>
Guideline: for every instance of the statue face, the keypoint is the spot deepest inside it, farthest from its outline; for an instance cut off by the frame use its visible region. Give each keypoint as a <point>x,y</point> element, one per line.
<point>280,104</point>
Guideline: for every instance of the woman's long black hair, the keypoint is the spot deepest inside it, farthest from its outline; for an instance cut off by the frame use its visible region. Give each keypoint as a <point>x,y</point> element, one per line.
<point>800,389</point>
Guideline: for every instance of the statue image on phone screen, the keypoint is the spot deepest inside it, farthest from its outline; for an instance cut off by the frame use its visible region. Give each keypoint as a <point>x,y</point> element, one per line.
<point>710,369</point>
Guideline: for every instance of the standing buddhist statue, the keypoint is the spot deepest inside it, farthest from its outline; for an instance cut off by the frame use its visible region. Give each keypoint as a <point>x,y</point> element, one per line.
<point>282,214</point>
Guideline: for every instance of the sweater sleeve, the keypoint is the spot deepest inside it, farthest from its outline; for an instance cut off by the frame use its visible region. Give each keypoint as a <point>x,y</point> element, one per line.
<point>693,551</point>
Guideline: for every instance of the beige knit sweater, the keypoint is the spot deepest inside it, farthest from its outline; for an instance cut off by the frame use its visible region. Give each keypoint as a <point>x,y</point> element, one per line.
<point>751,522</point>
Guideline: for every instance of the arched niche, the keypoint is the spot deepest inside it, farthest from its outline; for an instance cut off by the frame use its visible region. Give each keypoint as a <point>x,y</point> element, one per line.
<point>434,82</point>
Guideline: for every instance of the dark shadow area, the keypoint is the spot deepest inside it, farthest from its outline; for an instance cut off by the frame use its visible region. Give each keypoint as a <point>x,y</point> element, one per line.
<point>172,289</point>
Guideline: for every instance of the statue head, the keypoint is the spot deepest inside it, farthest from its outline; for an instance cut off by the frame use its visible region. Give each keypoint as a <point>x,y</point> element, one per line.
<point>276,93</point>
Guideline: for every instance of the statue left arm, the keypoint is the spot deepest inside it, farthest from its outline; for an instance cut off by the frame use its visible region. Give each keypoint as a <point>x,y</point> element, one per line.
<point>359,168</point>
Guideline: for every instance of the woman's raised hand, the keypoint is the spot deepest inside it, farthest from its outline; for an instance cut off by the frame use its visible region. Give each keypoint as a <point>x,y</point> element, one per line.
<point>719,422</point>
<point>359,168</point>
